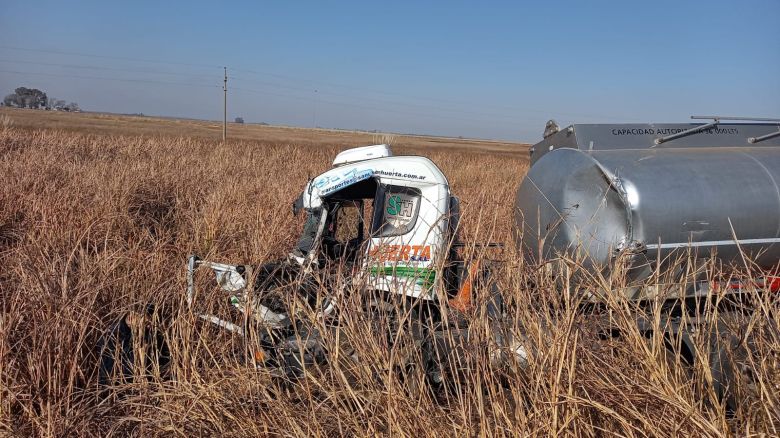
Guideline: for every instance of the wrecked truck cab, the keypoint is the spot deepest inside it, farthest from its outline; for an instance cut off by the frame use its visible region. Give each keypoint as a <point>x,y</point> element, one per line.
<point>392,222</point>
<point>388,215</point>
<point>389,222</point>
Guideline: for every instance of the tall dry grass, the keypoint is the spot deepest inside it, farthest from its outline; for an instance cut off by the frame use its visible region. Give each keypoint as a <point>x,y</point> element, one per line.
<point>93,226</point>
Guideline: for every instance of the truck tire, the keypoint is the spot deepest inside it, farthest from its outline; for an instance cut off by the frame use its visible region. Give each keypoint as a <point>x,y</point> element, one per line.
<point>117,355</point>
<point>725,351</point>
<point>115,349</point>
<point>727,354</point>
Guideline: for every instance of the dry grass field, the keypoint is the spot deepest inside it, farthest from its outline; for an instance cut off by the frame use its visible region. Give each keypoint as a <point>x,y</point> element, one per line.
<point>99,213</point>
<point>114,124</point>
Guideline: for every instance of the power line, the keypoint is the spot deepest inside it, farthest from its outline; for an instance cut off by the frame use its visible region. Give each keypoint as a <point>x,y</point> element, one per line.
<point>492,116</point>
<point>449,108</point>
<point>475,115</point>
<point>382,109</point>
<point>417,97</point>
<point>94,67</point>
<point>121,58</point>
<point>486,115</point>
<point>336,85</point>
<point>108,79</point>
<point>524,109</point>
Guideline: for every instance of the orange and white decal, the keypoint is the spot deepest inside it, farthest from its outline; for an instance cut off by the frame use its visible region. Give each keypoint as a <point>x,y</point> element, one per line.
<point>401,253</point>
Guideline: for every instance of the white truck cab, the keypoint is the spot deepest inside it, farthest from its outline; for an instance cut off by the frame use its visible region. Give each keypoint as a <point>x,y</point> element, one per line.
<point>392,216</point>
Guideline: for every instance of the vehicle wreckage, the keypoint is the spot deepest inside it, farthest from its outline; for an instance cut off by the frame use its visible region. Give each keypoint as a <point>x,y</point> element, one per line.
<point>406,247</point>
<point>633,196</point>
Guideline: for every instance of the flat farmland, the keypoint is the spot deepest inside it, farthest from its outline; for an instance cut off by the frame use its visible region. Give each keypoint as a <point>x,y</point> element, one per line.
<point>98,214</point>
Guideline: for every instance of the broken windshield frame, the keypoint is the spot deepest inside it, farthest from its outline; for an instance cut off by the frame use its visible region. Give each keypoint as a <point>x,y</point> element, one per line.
<point>311,229</point>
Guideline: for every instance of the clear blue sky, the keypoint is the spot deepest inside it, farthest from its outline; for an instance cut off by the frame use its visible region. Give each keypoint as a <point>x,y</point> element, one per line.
<point>481,69</point>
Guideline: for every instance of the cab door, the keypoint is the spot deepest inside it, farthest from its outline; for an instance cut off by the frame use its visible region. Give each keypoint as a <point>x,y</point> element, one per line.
<point>401,249</point>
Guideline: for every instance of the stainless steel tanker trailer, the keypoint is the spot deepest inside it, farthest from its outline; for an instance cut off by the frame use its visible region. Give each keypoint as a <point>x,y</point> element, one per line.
<point>650,191</point>
<point>635,200</point>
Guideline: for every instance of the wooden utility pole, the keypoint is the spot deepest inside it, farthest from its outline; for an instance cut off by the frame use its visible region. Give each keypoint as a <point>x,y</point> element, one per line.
<point>224,109</point>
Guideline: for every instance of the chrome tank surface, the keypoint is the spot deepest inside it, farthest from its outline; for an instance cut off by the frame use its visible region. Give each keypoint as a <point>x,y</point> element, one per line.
<point>594,191</point>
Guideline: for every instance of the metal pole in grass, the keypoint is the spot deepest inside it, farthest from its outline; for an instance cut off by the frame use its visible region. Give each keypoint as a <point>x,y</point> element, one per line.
<point>224,108</point>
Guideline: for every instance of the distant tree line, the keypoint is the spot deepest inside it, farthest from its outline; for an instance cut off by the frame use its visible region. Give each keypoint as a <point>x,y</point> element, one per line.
<point>34,98</point>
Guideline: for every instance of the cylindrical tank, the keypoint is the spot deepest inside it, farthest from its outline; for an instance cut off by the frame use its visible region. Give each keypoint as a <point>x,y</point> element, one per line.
<point>596,202</point>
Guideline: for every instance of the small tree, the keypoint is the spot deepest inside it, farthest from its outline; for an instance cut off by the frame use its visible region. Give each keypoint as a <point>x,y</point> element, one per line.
<point>24,97</point>
<point>240,120</point>
<point>31,97</point>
